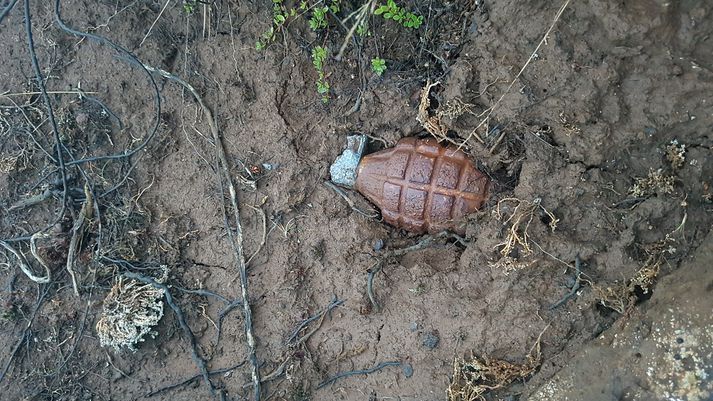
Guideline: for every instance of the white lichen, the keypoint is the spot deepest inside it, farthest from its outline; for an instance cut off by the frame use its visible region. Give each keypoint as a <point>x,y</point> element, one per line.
<point>130,311</point>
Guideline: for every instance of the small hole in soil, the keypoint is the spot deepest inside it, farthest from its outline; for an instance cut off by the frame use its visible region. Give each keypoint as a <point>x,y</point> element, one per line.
<point>638,354</point>
<point>604,311</point>
<point>545,218</point>
<point>642,296</point>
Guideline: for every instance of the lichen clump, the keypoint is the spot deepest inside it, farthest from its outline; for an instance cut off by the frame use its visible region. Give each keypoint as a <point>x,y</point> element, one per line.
<point>131,310</point>
<point>656,183</point>
<point>676,154</point>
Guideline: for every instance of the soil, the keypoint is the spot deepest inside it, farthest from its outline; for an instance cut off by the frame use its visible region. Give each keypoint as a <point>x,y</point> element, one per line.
<point>607,101</point>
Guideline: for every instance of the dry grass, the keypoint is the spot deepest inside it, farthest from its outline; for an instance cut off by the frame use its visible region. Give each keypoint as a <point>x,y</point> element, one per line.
<point>621,295</point>
<point>473,378</point>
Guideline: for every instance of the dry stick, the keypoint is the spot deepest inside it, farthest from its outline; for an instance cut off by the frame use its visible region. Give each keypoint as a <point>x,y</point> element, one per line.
<point>358,372</point>
<point>34,200</point>
<point>25,267</point>
<point>527,63</point>
<point>236,238</point>
<point>264,232</point>
<point>333,304</point>
<point>362,13</point>
<point>77,232</point>
<point>154,23</point>
<point>190,379</point>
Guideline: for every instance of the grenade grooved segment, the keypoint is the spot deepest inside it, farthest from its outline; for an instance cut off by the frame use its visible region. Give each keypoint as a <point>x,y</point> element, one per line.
<point>422,186</point>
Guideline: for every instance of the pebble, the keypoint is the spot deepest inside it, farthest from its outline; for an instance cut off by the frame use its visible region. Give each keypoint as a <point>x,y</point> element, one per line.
<point>431,339</point>
<point>378,245</point>
<point>407,369</point>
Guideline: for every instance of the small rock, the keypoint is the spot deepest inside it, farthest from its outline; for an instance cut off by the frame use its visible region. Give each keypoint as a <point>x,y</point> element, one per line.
<point>431,339</point>
<point>414,326</point>
<point>378,245</point>
<point>407,369</point>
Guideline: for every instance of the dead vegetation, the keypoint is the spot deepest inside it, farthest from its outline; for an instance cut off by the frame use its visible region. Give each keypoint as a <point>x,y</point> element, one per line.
<point>622,294</point>
<point>656,183</point>
<point>130,311</point>
<point>676,154</point>
<point>516,246</point>
<point>476,376</point>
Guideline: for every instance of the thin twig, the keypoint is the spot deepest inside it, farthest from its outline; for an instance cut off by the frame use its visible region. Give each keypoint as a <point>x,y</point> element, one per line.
<point>41,293</point>
<point>338,376</point>
<point>527,63</point>
<point>181,321</point>
<point>263,240</point>
<point>333,304</point>
<point>351,203</point>
<point>154,23</point>
<point>25,267</point>
<point>235,235</point>
<point>191,379</point>
<point>575,287</point>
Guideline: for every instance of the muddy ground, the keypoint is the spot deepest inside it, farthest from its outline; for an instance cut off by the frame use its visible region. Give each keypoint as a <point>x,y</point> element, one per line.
<point>608,129</point>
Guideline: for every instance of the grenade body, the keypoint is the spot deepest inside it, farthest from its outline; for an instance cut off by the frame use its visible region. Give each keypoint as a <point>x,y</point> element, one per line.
<point>422,186</point>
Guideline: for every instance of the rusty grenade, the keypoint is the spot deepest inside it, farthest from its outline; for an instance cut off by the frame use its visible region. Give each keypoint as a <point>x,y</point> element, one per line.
<point>419,185</point>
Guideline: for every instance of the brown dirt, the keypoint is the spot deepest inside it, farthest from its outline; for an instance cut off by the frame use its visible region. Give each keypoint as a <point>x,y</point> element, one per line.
<point>614,84</point>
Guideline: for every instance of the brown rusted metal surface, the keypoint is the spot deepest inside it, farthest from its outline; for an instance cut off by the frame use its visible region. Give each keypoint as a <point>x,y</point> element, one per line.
<point>422,186</point>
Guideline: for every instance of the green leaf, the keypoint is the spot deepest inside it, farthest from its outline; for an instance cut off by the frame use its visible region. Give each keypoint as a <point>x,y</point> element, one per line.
<point>388,15</point>
<point>381,10</point>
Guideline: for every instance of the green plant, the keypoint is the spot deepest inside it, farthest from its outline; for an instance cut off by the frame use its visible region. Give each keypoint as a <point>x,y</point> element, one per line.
<point>319,20</point>
<point>334,6</point>
<point>319,56</point>
<point>189,6</point>
<point>362,29</point>
<point>393,12</point>
<point>378,65</point>
<point>279,17</point>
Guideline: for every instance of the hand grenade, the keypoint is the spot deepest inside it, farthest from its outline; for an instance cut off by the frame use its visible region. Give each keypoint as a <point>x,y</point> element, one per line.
<point>419,185</point>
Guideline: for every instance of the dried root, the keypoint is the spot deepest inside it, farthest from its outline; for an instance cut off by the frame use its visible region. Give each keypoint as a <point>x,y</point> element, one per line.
<point>131,310</point>
<point>510,264</point>
<point>474,378</point>
<point>519,220</point>
<point>621,295</point>
<point>431,123</point>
